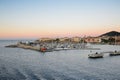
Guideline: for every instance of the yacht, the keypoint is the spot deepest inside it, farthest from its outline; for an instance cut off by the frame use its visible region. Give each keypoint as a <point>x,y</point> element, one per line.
<point>115,53</point>
<point>95,55</point>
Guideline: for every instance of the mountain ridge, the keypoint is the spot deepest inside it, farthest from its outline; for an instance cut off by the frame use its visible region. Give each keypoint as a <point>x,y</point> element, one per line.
<point>111,33</point>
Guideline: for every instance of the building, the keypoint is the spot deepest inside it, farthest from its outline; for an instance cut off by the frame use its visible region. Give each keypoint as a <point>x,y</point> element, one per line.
<point>46,39</point>
<point>93,39</point>
<point>64,39</point>
<point>111,39</point>
<point>117,40</point>
<point>76,39</point>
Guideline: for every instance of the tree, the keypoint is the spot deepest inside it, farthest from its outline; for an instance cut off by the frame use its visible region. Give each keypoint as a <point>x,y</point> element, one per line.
<point>111,40</point>
<point>104,40</point>
<point>57,40</point>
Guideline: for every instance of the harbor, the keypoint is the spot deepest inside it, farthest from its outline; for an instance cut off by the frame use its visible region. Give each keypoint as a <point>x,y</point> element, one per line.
<point>51,46</point>
<point>22,64</point>
<point>60,40</point>
<point>61,46</point>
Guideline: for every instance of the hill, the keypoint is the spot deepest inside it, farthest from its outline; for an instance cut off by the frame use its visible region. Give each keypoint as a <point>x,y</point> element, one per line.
<point>111,33</point>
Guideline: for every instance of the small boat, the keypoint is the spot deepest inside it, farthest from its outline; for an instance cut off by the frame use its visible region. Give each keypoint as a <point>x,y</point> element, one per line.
<point>58,49</point>
<point>115,53</point>
<point>66,48</point>
<point>43,49</point>
<point>96,55</point>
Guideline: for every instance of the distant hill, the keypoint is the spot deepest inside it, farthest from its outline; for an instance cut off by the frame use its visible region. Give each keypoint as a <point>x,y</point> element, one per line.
<point>111,33</point>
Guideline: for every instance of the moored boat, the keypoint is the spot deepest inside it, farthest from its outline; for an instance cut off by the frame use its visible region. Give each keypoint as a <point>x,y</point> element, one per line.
<point>95,55</point>
<point>46,50</point>
<point>43,49</point>
<point>115,53</point>
<point>58,49</point>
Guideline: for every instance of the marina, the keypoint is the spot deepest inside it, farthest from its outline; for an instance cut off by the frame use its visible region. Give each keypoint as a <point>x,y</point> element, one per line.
<point>49,47</point>
<point>60,40</point>
<point>22,64</point>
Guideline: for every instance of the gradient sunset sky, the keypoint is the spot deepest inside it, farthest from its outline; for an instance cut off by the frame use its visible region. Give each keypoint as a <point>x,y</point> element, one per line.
<point>58,18</point>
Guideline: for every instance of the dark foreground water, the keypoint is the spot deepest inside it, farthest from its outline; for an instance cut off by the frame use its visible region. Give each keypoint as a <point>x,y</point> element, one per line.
<point>21,64</point>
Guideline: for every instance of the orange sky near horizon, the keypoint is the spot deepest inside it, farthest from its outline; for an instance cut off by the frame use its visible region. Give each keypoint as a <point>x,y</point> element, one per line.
<point>23,32</point>
<point>58,18</point>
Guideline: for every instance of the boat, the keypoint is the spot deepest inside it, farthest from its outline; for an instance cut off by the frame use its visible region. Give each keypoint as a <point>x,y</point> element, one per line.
<point>58,49</point>
<point>115,53</point>
<point>95,55</point>
<point>43,49</point>
<point>46,49</point>
<point>66,48</point>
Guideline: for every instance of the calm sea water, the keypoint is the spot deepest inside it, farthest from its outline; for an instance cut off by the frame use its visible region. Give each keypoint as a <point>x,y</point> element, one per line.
<point>21,64</point>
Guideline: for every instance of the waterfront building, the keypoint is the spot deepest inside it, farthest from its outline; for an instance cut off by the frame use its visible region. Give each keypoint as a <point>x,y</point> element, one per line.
<point>64,39</point>
<point>46,39</point>
<point>117,40</point>
<point>76,39</point>
<point>93,39</point>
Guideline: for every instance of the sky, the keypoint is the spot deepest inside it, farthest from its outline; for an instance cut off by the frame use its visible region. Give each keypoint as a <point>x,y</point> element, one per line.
<point>58,18</point>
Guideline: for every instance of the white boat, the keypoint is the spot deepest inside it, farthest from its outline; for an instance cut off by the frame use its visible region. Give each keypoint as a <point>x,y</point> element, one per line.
<point>58,49</point>
<point>96,55</point>
<point>115,53</point>
<point>66,48</point>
